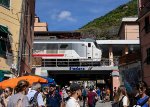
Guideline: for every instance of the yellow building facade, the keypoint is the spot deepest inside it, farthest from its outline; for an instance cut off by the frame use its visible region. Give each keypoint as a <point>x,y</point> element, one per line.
<point>10,17</point>
<point>15,19</point>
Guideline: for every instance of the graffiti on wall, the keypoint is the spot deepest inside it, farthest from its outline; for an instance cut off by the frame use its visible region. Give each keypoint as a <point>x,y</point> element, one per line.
<point>131,77</point>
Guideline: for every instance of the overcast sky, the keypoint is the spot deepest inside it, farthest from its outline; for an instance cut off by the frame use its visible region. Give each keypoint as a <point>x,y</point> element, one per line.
<point>69,15</point>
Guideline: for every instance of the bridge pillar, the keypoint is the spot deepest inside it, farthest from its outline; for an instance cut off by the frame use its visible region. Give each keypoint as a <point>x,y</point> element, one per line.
<point>111,56</point>
<point>115,79</point>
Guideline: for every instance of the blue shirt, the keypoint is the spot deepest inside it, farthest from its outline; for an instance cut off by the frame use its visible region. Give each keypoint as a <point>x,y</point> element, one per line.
<point>98,92</point>
<point>53,100</point>
<point>142,100</point>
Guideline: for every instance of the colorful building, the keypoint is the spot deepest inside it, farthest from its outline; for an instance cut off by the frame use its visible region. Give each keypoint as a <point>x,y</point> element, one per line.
<point>144,31</point>
<point>16,35</point>
<point>129,62</point>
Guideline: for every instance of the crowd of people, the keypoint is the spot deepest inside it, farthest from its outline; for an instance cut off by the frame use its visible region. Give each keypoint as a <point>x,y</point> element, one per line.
<point>141,97</point>
<point>25,95</point>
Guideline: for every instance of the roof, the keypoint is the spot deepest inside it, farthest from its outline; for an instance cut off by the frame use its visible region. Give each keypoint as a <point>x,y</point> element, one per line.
<point>118,42</point>
<point>64,41</point>
<point>129,19</point>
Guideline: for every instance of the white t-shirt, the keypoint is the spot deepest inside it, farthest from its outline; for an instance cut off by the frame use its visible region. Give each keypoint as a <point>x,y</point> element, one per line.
<point>72,102</point>
<point>125,101</point>
<point>39,97</point>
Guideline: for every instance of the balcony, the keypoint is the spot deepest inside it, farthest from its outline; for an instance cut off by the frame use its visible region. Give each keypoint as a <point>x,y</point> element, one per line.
<point>129,58</point>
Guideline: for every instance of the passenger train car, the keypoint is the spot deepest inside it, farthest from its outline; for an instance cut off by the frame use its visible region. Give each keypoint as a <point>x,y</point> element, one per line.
<point>83,50</point>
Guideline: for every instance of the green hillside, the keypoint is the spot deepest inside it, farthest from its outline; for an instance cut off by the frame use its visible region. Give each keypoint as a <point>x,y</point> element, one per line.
<point>107,26</point>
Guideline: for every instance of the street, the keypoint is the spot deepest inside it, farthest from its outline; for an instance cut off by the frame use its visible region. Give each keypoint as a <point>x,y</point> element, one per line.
<point>99,104</point>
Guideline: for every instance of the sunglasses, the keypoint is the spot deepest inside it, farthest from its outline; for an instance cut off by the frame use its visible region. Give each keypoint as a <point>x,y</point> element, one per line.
<point>6,91</point>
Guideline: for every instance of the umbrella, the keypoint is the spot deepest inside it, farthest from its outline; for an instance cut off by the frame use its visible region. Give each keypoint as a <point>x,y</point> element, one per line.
<point>13,82</point>
<point>50,81</point>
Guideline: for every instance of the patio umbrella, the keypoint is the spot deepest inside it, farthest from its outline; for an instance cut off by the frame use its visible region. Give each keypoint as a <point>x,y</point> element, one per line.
<point>13,82</point>
<point>50,81</point>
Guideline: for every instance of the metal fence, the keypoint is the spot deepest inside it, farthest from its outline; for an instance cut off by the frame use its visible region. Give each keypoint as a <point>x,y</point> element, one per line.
<point>77,62</point>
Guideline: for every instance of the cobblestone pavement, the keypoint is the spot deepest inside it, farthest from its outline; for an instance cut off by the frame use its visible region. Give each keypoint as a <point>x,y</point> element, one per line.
<point>100,104</point>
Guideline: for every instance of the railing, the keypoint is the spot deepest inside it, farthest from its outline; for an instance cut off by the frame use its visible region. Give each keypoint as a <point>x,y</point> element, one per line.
<point>129,58</point>
<point>83,62</point>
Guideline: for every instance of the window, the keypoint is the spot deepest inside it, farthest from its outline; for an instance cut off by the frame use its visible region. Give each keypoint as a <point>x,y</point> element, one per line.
<point>5,3</point>
<point>2,47</point>
<point>147,25</point>
<point>89,44</point>
<point>148,56</point>
<point>5,45</point>
<point>63,46</point>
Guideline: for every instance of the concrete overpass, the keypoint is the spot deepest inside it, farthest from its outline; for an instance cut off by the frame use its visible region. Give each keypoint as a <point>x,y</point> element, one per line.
<point>112,49</point>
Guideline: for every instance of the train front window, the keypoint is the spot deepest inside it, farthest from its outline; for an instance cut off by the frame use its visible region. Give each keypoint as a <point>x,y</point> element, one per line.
<point>63,46</point>
<point>96,45</point>
<point>89,44</point>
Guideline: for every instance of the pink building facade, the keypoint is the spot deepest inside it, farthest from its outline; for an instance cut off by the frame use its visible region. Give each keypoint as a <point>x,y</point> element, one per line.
<point>40,26</point>
<point>129,62</point>
<point>144,23</point>
<point>129,29</point>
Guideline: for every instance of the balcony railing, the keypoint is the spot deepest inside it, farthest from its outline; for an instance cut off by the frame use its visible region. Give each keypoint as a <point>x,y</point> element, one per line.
<point>68,62</point>
<point>129,58</point>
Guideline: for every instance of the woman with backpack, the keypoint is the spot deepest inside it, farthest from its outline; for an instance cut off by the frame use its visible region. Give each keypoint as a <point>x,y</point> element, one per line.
<point>121,99</point>
<point>20,99</point>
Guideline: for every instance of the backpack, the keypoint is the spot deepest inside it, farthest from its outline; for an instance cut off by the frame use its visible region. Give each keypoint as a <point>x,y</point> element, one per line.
<point>118,104</point>
<point>33,100</point>
<point>142,103</point>
<point>84,93</point>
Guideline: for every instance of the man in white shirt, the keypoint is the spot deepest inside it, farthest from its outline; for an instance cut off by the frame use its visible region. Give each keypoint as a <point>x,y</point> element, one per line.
<point>75,90</point>
<point>35,89</point>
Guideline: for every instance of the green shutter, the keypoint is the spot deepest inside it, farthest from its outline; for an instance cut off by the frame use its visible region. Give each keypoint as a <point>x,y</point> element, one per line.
<point>5,3</point>
<point>2,52</point>
<point>4,29</point>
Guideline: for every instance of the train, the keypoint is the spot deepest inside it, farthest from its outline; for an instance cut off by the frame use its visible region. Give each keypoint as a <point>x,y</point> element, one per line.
<point>67,51</point>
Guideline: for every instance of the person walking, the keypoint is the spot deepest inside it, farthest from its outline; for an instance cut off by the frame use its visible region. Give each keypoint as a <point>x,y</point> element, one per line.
<point>35,96</point>
<point>143,99</point>
<point>121,99</point>
<point>84,95</point>
<point>53,98</point>
<point>45,93</point>
<point>92,97</point>
<point>20,99</point>
<point>76,92</point>
<point>98,93</point>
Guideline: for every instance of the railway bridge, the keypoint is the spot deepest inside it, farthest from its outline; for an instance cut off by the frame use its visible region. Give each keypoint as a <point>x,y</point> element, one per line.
<point>104,72</point>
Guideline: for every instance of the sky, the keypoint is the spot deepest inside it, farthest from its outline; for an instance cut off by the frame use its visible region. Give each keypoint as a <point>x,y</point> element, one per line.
<point>70,15</point>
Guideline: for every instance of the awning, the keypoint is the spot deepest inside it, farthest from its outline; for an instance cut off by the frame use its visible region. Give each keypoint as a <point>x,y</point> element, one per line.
<point>4,29</point>
<point>115,73</point>
<point>5,71</point>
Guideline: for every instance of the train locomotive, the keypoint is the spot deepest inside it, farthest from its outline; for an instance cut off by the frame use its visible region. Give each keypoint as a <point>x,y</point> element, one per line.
<point>59,52</point>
